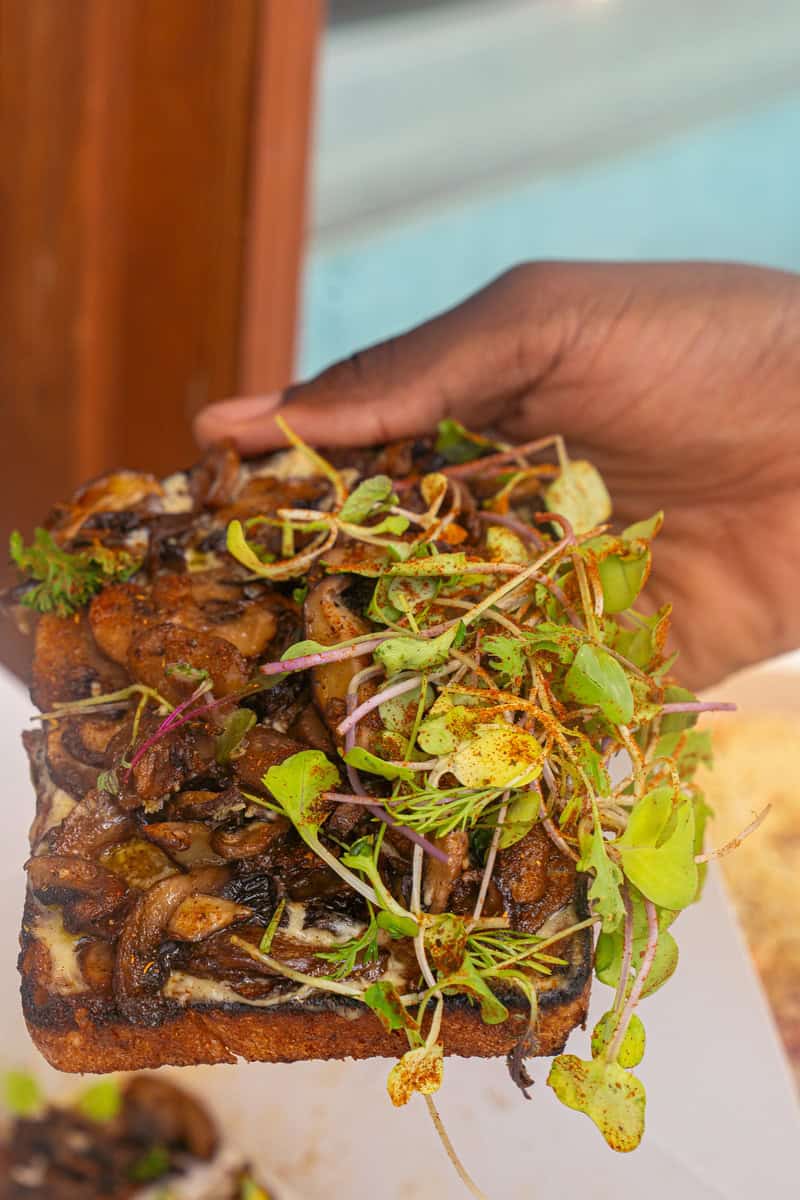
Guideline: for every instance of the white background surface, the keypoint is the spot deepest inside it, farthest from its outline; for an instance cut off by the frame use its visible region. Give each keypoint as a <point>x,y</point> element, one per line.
<point>723,1120</point>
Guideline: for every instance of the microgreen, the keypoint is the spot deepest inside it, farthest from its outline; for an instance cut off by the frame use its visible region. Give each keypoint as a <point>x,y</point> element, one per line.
<point>457,444</point>
<point>370,494</point>
<point>66,581</point>
<point>236,726</point>
<point>596,678</point>
<point>363,949</point>
<point>608,1094</point>
<point>154,1164</point>
<point>268,936</point>
<point>22,1096</point>
<point>101,1102</point>
<point>580,495</point>
<point>421,1069</point>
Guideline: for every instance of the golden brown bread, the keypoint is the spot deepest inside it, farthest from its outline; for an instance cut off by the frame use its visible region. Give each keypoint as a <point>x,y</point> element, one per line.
<point>99,959</point>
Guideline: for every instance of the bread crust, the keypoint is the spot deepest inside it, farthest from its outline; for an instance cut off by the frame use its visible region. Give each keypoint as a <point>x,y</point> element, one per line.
<point>84,1041</point>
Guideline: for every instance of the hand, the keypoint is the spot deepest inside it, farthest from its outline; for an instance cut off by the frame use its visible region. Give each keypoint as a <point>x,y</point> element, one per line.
<point>681,382</point>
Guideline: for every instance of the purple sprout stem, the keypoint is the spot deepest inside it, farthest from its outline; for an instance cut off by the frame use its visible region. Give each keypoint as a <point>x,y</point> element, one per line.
<point>340,653</point>
<point>389,693</point>
<point>698,706</point>
<point>627,950</point>
<point>526,532</point>
<point>638,984</point>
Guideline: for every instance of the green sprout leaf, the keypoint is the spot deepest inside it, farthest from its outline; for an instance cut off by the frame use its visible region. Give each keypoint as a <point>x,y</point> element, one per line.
<point>384,1000</point>
<point>445,941</point>
<point>22,1095</point>
<point>239,548</point>
<point>66,581</point>
<point>362,949</point>
<point>301,649</point>
<point>364,760</point>
<point>609,949</point>
<point>397,926</point>
<point>598,679</point>
<point>419,1070</point>
<point>361,502</point>
<point>609,1095</point>
<point>457,444</point>
<point>580,495</point>
<point>622,577</point>
<point>522,815</point>
<point>298,783</point>
<point>503,545</point>
<point>101,1102</point>
<point>604,894</point>
<point>497,756</point>
<point>631,1050</point>
<point>268,936</point>
<point>151,1166</point>
<point>417,654</point>
<point>507,659</point>
<point>658,847</point>
<point>361,857</point>
<point>645,530</point>
<point>237,724</point>
<point>675,722</point>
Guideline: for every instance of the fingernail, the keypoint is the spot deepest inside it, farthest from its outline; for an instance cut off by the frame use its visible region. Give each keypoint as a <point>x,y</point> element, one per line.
<point>244,408</point>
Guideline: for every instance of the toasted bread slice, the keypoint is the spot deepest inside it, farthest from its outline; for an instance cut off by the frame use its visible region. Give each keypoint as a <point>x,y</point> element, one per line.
<point>157,856</point>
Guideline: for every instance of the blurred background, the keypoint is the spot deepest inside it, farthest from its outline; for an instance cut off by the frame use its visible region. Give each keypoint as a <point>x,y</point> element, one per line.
<point>203,197</point>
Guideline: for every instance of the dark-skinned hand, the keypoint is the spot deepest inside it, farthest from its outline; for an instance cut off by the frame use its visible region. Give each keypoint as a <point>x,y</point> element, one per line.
<point>680,382</point>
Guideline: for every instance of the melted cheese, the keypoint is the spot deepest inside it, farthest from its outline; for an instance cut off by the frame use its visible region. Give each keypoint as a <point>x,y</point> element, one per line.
<point>59,805</point>
<point>177,497</point>
<point>65,972</point>
<point>191,989</point>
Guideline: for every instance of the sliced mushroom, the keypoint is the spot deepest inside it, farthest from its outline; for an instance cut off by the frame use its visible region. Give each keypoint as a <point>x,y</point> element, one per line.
<point>137,976</point>
<point>329,620</point>
<point>67,664</point>
<point>261,749</point>
<point>120,491</point>
<point>440,876</point>
<point>534,878</point>
<point>207,602</point>
<point>249,840</point>
<point>179,757</point>
<point>67,771</point>
<point>115,614</point>
<point>188,842</point>
<point>139,863</point>
<point>88,894</point>
<point>155,648</point>
<point>197,917</point>
<point>96,961</point>
<point>158,1113</point>
<point>214,481</point>
<point>94,823</point>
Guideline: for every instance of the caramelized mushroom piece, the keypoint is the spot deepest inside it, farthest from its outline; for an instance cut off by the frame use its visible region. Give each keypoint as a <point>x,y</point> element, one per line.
<point>197,917</point>
<point>534,878</point>
<point>157,1113</point>
<point>188,842</point>
<point>155,648</point>
<point>87,892</point>
<point>249,840</point>
<point>137,977</point>
<point>115,614</point>
<point>261,749</point>
<point>94,823</point>
<point>329,620</point>
<point>67,664</point>
<point>441,876</point>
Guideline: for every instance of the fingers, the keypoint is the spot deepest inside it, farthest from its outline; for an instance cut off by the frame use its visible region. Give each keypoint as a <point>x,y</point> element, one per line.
<point>467,363</point>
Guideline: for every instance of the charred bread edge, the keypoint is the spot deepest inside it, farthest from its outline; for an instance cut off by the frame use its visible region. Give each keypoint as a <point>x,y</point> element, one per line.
<point>85,1034</point>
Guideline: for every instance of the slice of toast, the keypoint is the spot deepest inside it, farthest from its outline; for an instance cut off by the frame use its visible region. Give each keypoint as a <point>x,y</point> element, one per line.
<point>158,859</point>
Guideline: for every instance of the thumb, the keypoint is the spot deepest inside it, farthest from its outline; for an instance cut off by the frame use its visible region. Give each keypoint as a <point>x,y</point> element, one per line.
<point>468,363</point>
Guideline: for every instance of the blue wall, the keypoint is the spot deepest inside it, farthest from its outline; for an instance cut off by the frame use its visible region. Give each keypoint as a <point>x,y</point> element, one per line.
<point>727,190</point>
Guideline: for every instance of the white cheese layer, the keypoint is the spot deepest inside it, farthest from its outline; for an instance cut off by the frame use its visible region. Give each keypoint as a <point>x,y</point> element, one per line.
<point>47,927</point>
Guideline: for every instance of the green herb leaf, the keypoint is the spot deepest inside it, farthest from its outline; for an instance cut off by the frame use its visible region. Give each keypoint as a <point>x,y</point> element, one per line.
<point>237,724</point>
<point>507,659</point>
<point>361,857</point>
<point>609,949</point>
<point>301,649</point>
<point>101,1102</point>
<point>397,926</point>
<point>498,756</point>
<point>645,530</point>
<point>503,545</point>
<point>364,760</point>
<point>346,958</point>
<point>239,548</point>
<point>469,981</point>
<point>522,815</point>
<point>22,1095</point>
<point>152,1165</point>
<point>610,1096</point>
<point>457,444</point>
<point>622,577</point>
<point>360,503</point>
<point>298,783</point>
<point>631,1050</point>
<point>445,941</point>
<point>66,581</point>
<point>419,1070</point>
<point>417,654</point>
<point>598,679</point>
<point>604,894</point>
<point>384,1000</point>
<point>186,673</point>
<point>657,849</point>
<point>580,495</point>
<point>299,593</point>
<point>268,936</point>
